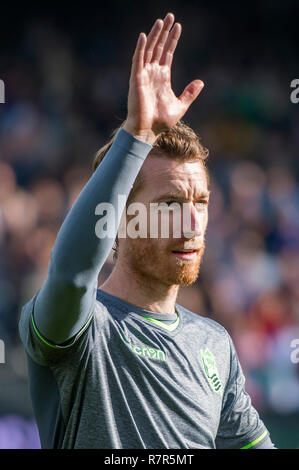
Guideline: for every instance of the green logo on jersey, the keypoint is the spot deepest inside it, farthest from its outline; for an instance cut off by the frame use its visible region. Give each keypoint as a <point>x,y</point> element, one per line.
<point>145,351</point>
<point>211,371</point>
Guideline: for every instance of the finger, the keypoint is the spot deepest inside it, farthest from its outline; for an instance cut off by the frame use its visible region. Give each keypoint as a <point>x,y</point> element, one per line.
<point>152,39</point>
<point>158,51</point>
<point>191,92</point>
<point>171,44</point>
<point>138,57</point>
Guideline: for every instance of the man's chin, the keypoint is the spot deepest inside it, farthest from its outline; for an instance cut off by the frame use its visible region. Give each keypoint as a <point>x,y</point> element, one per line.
<point>173,271</point>
<point>185,279</point>
<point>184,273</point>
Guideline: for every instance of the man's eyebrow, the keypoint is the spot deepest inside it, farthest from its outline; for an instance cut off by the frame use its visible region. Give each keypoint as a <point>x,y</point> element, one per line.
<point>180,195</point>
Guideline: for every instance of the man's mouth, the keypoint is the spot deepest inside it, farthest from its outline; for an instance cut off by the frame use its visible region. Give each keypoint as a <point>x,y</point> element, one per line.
<point>188,254</point>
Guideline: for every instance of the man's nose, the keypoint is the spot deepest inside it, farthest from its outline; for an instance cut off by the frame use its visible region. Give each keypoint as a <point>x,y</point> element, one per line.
<point>192,221</point>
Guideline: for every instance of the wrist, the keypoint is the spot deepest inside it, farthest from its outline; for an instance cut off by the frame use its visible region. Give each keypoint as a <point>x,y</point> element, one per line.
<point>146,135</point>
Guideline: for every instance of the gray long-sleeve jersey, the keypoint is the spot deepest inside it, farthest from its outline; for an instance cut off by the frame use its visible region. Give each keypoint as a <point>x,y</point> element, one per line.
<point>105,373</point>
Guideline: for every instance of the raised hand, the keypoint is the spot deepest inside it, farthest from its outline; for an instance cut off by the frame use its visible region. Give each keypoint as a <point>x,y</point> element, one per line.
<point>152,104</point>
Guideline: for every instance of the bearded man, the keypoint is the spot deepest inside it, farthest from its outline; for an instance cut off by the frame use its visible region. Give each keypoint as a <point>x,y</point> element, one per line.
<point>122,365</point>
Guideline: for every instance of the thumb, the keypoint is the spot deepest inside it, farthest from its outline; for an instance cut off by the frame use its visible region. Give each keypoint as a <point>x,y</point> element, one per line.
<point>191,92</point>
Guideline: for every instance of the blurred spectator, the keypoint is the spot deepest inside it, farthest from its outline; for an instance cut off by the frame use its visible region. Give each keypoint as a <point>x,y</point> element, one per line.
<point>18,433</point>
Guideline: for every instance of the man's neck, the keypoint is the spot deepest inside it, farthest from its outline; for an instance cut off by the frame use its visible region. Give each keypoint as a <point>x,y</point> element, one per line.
<point>147,293</point>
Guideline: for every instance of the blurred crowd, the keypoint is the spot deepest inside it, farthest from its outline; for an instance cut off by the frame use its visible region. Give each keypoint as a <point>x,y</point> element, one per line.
<point>62,105</point>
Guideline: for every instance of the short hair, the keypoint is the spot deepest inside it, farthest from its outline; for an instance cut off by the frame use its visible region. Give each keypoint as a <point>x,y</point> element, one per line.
<point>179,142</point>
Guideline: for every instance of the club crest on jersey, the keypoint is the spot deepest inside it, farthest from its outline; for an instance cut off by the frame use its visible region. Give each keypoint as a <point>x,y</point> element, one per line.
<point>210,369</point>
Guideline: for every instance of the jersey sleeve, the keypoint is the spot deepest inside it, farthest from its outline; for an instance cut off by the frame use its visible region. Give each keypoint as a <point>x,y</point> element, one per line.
<point>41,350</point>
<point>240,426</point>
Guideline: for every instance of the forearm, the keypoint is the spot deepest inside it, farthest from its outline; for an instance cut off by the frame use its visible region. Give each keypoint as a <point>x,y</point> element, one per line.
<point>68,295</point>
<point>79,253</point>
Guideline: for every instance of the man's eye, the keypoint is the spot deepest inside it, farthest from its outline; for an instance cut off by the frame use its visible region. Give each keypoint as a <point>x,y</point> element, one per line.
<point>201,204</point>
<point>170,202</point>
<point>172,206</point>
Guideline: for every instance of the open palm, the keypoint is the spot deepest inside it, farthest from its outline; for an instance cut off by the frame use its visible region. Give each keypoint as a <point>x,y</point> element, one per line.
<point>152,104</point>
